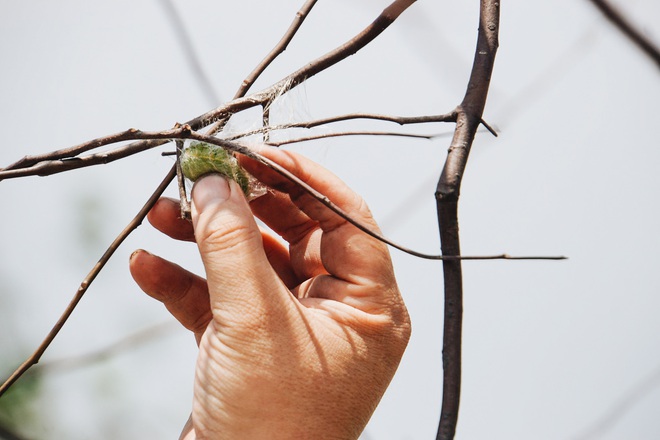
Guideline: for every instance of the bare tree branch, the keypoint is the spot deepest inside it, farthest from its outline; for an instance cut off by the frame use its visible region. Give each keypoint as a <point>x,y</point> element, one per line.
<point>382,22</point>
<point>280,47</point>
<point>68,158</point>
<point>629,30</point>
<point>84,285</point>
<point>470,113</point>
<point>262,98</point>
<point>354,133</point>
<point>67,153</point>
<point>401,120</point>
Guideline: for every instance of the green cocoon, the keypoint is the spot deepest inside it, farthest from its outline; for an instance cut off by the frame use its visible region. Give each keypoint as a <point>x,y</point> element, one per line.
<point>201,158</point>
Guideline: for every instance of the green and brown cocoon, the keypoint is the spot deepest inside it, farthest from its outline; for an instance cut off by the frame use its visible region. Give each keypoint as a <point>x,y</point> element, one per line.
<point>201,158</point>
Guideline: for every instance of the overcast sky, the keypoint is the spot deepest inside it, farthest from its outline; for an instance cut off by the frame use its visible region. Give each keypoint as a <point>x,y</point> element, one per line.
<point>551,349</point>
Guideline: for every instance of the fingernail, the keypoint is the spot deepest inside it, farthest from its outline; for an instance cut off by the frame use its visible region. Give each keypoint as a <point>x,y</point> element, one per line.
<point>136,252</point>
<point>210,189</point>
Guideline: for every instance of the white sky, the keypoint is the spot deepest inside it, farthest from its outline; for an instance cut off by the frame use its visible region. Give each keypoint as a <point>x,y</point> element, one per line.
<point>549,347</point>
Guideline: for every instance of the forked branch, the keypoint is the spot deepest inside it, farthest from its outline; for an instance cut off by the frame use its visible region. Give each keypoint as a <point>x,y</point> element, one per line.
<point>263,98</point>
<point>279,48</point>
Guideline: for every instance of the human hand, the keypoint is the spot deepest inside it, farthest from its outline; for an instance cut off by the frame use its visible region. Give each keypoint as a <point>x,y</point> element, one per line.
<point>296,343</point>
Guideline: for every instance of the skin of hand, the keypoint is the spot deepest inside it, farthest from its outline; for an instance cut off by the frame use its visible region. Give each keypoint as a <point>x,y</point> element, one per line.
<point>297,341</point>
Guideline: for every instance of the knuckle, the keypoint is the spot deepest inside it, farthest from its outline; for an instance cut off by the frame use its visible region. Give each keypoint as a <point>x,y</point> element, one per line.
<point>226,233</point>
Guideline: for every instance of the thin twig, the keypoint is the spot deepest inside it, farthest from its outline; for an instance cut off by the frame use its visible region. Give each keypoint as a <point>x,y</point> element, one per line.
<point>629,30</point>
<point>70,152</point>
<point>470,113</point>
<point>84,285</point>
<point>382,22</point>
<point>354,133</point>
<point>366,36</point>
<point>279,48</point>
<point>488,127</point>
<point>72,161</point>
<point>401,120</point>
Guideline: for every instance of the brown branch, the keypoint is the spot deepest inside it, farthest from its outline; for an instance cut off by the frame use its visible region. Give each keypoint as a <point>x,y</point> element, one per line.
<point>354,133</point>
<point>401,120</point>
<point>628,29</point>
<point>470,113</point>
<point>488,127</point>
<point>66,153</point>
<point>68,158</point>
<point>280,47</point>
<point>197,123</point>
<point>41,167</point>
<point>220,114</point>
<point>382,22</point>
<point>84,285</point>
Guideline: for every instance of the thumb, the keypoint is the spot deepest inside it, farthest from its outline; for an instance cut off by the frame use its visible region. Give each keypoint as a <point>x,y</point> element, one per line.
<point>230,245</point>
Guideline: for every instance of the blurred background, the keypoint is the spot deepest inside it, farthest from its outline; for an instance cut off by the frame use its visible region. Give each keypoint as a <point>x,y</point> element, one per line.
<point>552,350</point>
